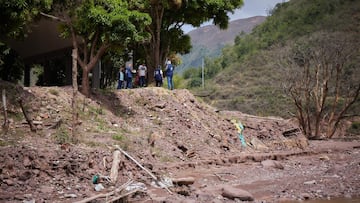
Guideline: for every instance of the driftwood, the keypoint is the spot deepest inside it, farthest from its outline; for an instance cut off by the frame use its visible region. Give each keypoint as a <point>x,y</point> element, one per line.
<point>28,119</point>
<point>6,121</point>
<point>115,166</point>
<point>106,195</point>
<point>142,167</point>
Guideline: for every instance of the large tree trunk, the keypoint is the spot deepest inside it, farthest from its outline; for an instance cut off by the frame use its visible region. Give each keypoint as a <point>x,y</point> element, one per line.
<point>153,49</point>
<point>85,83</point>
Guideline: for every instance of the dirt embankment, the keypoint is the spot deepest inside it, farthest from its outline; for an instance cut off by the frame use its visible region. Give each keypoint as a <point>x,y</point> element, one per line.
<point>175,136</point>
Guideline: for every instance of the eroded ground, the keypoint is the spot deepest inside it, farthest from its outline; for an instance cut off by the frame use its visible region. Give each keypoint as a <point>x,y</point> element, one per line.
<point>173,135</point>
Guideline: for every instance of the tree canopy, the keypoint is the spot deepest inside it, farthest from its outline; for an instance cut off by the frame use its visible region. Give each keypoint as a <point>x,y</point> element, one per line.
<point>15,16</point>
<point>168,17</point>
<point>95,26</point>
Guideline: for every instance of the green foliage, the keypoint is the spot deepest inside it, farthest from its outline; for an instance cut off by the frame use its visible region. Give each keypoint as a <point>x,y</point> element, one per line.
<point>11,65</point>
<point>168,38</point>
<point>248,77</point>
<point>195,82</point>
<point>118,137</point>
<point>190,72</point>
<point>62,136</point>
<point>354,128</point>
<point>111,19</point>
<point>15,16</point>
<point>96,26</point>
<point>179,82</point>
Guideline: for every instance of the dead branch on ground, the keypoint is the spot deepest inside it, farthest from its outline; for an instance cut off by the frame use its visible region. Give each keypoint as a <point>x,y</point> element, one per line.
<point>106,195</point>
<point>142,167</point>
<point>27,117</point>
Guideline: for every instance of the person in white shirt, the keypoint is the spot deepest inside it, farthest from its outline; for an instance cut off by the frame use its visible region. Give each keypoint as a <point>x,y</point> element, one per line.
<point>142,74</point>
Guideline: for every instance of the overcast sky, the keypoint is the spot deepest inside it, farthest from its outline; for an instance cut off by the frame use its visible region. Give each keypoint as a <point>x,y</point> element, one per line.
<point>249,9</point>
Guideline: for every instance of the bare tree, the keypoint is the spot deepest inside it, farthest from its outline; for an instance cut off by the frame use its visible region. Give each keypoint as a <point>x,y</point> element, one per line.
<point>323,80</point>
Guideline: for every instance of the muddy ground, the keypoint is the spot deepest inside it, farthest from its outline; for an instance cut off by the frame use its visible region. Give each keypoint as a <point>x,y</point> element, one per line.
<point>192,149</point>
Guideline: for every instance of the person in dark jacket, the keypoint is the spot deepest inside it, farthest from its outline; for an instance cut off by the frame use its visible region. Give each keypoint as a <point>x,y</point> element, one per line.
<point>158,75</point>
<point>169,74</point>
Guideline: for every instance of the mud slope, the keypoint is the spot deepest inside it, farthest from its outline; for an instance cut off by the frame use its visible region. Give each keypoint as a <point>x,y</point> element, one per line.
<point>171,133</point>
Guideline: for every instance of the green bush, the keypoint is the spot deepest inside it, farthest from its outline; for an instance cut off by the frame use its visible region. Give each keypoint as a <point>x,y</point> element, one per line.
<point>354,128</point>
<point>195,82</point>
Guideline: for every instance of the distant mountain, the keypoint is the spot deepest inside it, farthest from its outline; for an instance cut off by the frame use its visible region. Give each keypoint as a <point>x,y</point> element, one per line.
<point>208,41</point>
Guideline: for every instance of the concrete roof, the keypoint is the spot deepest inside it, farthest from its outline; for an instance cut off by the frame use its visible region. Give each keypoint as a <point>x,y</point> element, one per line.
<point>43,39</point>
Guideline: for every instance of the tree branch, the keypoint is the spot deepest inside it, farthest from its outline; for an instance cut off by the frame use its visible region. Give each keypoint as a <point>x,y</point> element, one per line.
<point>54,17</point>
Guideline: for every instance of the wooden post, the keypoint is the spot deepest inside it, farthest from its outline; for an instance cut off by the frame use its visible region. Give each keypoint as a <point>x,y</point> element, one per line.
<point>115,166</point>
<point>75,90</point>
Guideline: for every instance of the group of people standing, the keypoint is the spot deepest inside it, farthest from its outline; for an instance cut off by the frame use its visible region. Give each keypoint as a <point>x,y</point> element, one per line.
<point>125,76</point>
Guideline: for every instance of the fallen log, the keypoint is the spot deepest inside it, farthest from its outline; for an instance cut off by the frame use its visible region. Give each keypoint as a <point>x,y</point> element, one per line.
<point>115,166</point>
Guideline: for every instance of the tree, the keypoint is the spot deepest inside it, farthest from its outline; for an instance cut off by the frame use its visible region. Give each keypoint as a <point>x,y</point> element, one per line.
<point>96,26</point>
<point>168,17</point>
<point>323,81</point>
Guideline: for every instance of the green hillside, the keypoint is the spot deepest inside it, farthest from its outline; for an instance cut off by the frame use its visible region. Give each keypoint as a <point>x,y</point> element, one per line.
<point>248,76</point>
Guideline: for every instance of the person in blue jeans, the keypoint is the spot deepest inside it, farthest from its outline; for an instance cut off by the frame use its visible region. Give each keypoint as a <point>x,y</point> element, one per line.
<point>169,74</point>
<point>121,78</point>
<point>128,73</point>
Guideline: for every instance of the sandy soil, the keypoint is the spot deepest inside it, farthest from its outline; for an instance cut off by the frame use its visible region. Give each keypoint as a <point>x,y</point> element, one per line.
<point>189,146</point>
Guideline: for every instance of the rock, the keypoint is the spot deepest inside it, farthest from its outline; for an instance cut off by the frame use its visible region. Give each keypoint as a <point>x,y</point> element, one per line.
<point>27,161</point>
<point>235,193</point>
<point>99,187</point>
<point>305,196</point>
<point>9,182</point>
<point>29,201</point>
<point>70,196</point>
<point>324,158</point>
<point>258,144</point>
<point>312,182</point>
<point>184,181</point>
<point>160,105</point>
<point>25,176</point>
<point>46,189</point>
<point>272,163</point>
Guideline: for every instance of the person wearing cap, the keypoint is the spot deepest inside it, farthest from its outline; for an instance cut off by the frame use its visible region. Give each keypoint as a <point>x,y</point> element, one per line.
<point>169,74</point>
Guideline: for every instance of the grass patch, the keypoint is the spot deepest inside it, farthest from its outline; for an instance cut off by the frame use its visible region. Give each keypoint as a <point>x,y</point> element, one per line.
<point>62,136</point>
<point>118,137</point>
